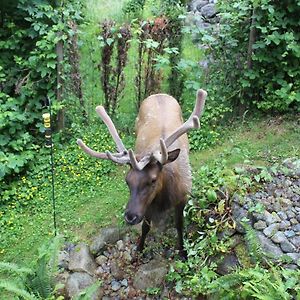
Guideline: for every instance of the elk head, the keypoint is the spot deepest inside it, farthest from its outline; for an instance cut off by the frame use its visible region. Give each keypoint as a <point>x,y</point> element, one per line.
<point>145,179</point>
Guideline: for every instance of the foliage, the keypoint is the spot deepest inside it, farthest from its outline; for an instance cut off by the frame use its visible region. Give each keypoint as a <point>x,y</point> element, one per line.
<point>134,8</point>
<point>258,283</point>
<point>209,214</point>
<point>36,282</point>
<point>28,75</point>
<point>74,59</point>
<point>152,41</point>
<point>112,78</point>
<point>252,55</point>
<point>174,11</point>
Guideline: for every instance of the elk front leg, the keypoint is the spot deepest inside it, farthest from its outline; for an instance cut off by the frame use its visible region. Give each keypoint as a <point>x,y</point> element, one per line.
<point>145,230</point>
<point>179,226</point>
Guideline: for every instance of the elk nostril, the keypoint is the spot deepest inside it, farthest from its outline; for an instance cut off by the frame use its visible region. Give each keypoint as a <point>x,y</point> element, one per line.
<point>130,218</point>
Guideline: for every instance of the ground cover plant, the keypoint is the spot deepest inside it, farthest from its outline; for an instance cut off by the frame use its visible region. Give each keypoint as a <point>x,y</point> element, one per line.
<point>250,82</point>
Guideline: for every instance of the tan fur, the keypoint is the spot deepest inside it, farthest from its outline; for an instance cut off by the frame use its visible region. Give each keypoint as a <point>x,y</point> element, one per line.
<point>159,116</point>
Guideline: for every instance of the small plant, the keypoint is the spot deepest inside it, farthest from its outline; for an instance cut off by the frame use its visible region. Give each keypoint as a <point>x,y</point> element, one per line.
<point>36,282</point>
<point>154,291</point>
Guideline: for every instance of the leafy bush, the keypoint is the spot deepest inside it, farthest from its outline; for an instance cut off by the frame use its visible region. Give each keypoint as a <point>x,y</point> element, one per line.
<point>28,68</point>
<point>134,8</point>
<point>254,53</point>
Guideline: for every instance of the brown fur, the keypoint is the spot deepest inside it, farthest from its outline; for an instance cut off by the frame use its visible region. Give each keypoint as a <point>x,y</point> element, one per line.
<point>157,188</point>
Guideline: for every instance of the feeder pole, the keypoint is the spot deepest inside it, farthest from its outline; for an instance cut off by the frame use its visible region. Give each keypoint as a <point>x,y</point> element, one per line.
<point>49,144</point>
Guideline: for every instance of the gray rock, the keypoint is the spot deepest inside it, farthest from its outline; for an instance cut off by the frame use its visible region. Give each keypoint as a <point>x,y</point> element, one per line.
<point>286,246</point>
<point>127,256</point>
<point>268,246</point>
<point>238,214</point>
<point>296,241</point>
<point>279,237</point>
<point>63,259</point>
<point>291,266</point>
<point>285,203</point>
<point>81,260</point>
<point>260,225</point>
<point>296,228</point>
<point>201,4</point>
<point>116,271</point>
<point>101,260</point>
<point>100,271</point>
<point>228,264</point>
<point>290,214</point>
<point>293,221</point>
<point>60,282</point>
<point>197,4</point>
<point>271,230</point>
<point>282,215</point>
<point>271,218</point>
<point>295,257</point>
<point>289,233</point>
<point>120,245</point>
<point>208,11</point>
<point>106,236</point>
<point>124,282</point>
<point>78,281</point>
<point>115,285</point>
<point>150,275</point>
<point>285,224</point>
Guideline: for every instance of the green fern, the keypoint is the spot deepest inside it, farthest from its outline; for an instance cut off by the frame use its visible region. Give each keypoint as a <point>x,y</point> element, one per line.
<point>41,282</point>
<point>35,282</point>
<point>255,249</point>
<point>6,267</point>
<point>14,289</point>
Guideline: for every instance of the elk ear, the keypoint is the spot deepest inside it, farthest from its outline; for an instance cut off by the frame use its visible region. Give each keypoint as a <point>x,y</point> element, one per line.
<point>172,155</point>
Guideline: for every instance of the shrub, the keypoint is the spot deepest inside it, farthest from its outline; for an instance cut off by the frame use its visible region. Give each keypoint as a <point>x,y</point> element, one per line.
<point>253,55</point>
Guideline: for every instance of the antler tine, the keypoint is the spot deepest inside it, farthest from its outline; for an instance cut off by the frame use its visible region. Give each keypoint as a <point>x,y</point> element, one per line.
<point>111,127</point>
<point>138,165</point>
<point>133,161</point>
<point>162,157</point>
<point>192,122</point>
<point>91,152</point>
<point>118,158</point>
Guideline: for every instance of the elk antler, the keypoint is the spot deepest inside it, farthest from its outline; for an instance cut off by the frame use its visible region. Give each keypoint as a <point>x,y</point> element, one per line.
<point>122,156</point>
<point>125,156</point>
<point>191,123</point>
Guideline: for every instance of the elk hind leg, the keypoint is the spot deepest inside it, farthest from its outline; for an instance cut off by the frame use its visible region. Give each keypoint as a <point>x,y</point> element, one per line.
<point>179,227</point>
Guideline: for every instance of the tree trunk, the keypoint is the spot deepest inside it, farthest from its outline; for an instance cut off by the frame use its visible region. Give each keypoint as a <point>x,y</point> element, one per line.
<point>59,88</point>
<point>252,38</point>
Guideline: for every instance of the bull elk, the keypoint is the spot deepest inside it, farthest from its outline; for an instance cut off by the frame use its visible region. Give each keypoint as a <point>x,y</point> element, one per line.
<point>160,176</point>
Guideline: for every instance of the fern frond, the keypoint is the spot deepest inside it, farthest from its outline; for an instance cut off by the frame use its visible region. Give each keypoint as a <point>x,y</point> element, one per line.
<point>14,289</point>
<point>255,249</point>
<point>6,267</point>
<point>41,283</point>
<point>227,282</point>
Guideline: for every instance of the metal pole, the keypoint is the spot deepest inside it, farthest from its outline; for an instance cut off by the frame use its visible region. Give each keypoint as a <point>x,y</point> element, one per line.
<point>49,144</point>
